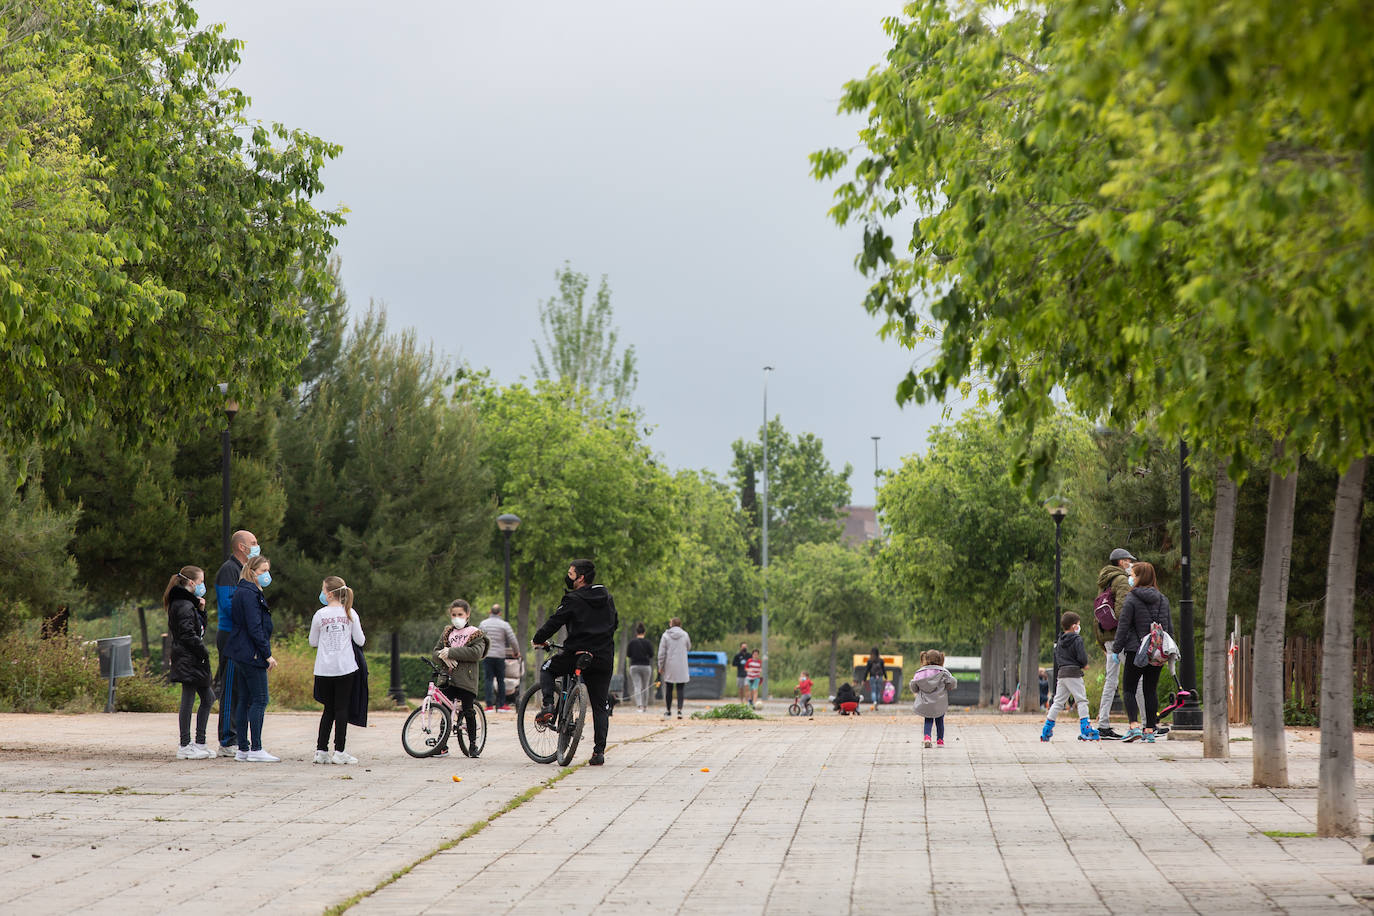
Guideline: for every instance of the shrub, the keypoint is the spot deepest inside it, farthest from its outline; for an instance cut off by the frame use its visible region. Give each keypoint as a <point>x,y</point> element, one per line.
<point>291,684</point>
<point>63,674</point>
<point>728,711</point>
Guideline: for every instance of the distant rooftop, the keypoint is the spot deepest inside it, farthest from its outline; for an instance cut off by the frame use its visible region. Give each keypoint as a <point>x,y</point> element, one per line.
<point>860,524</point>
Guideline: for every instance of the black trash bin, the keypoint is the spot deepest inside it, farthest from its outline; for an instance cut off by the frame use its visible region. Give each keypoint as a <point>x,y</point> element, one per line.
<point>707,671</point>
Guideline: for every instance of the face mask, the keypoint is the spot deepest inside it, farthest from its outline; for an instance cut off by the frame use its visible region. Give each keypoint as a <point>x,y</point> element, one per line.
<point>1130,580</point>
<point>459,622</point>
<point>199,590</point>
<point>324,599</point>
<point>264,579</point>
<point>254,551</point>
<point>568,583</point>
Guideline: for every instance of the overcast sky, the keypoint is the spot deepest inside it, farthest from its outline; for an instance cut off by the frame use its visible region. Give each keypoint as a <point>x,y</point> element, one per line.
<point>663,145</point>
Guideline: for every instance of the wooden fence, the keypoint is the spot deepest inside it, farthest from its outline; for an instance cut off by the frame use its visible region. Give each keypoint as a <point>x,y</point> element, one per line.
<point>1302,673</point>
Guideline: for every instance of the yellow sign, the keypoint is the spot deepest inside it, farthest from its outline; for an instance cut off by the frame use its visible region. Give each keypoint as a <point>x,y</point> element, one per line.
<point>892,661</point>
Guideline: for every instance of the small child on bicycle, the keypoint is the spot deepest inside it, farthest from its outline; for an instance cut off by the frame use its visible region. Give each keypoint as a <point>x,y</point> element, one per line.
<point>932,684</point>
<point>458,653</point>
<point>804,693</point>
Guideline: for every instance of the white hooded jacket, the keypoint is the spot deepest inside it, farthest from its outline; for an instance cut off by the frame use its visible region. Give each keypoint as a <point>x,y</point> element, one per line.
<point>672,655</point>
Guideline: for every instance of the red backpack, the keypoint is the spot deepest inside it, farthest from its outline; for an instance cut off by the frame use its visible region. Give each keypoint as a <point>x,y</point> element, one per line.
<point>1104,609</point>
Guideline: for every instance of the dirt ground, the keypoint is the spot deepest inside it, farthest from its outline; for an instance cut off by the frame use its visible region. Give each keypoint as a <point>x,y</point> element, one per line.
<point>1364,740</point>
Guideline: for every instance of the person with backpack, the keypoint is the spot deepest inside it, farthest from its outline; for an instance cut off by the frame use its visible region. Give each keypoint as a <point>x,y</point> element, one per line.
<point>1144,606</point>
<point>1113,588</point>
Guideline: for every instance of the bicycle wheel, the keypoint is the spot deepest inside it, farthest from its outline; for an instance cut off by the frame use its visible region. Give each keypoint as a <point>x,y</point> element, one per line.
<point>540,742</point>
<point>462,732</point>
<point>425,730</point>
<point>794,710</point>
<point>571,722</point>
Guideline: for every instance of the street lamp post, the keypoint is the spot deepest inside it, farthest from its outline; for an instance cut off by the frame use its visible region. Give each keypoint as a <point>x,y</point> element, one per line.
<point>507,523</point>
<point>231,408</point>
<point>1189,716</point>
<point>1057,512</point>
<point>764,554</point>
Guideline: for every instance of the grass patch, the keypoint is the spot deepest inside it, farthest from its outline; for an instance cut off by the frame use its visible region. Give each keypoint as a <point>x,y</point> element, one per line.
<point>1287,834</point>
<point>1234,740</point>
<point>728,711</point>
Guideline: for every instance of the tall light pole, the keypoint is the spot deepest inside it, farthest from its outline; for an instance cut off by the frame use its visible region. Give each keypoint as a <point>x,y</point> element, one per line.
<point>231,408</point>
<point>1189,716</point>
<point>1057,512</point>
<point>875,478</point>
<point>507,523</point>
<point>764,640</point>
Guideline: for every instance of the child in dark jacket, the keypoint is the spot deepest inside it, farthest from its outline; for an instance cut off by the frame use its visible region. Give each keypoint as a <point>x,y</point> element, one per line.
<point>1070,658</point>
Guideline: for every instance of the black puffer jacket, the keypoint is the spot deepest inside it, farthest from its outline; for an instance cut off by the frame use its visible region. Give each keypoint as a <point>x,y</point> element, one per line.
<point>1144,606</point>
<point>190,662</point>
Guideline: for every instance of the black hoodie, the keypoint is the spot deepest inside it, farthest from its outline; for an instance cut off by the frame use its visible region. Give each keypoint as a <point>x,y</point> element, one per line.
<point>1143,606</point>
<point>589,615</point>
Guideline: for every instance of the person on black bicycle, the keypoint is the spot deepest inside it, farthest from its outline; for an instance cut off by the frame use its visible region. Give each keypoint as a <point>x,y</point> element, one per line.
<point>587,611</point>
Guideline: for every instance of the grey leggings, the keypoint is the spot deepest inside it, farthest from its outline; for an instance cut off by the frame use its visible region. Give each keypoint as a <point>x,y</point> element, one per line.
<point>189,692</point>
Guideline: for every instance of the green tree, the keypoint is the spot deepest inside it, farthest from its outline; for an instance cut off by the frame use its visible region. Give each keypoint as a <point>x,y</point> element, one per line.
<point>804,494</point>
<point>581,341</point>
<point>37,574</point>
<point>825,589</point>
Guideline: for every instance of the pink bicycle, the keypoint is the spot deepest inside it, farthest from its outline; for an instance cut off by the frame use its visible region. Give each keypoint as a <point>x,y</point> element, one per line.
<point>427,728</point>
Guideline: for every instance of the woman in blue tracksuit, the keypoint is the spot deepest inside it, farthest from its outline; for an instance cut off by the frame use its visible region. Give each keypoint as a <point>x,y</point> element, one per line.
<point>250,648</point>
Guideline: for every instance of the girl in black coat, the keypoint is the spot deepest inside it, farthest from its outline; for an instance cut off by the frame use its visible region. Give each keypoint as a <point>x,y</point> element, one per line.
<point>1144,605</point>
<point>184,601</point>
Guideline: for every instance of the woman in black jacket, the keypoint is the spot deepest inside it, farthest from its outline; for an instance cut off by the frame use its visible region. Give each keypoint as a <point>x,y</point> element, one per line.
<point>184,601</point>
<point>1144,605</point>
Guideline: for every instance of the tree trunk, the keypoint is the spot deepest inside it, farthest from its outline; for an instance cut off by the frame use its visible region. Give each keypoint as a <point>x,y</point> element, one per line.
<point>1337,810</point>
<point>1030,665</point>
<point>999,645</point>
<point>834,657</point>
<point>1216,731</point>
<point>985,695</point>
<point>1011,663</point>
<point>1271,754</point>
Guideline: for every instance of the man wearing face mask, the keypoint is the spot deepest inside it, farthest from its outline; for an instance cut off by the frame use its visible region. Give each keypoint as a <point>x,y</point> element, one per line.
<point>242,546</point>
<point>587,611</point>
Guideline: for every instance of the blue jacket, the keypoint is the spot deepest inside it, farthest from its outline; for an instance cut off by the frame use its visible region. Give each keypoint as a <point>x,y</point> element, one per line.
<point>225,582</point>
<point>250,642</point>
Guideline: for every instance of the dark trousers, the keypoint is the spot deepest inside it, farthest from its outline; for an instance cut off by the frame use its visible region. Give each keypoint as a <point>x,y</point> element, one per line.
<point>224,689</point>
<point>250,705</point>
<point>189,692</point>
<point>668,695</point>
<point>468,712</point>
<point>1134,675</point>
<point>597,677</point>
<point>939,723</point>
<point>337,692</point>
<point>494,680</point>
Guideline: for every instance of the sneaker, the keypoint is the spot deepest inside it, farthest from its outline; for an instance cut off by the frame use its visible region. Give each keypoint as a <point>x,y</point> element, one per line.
<point>925,741</point>
<point>546,715</point>
<point>503,709</point>
<point>1107,733</point>
<point>1133,734</point>
<point>190,752</point>
<point>343,757</point>
<point>490,707</point>
<point>240,755</point>
<point>323,757</point>
<point>209,752</point>
<point>679,714</point>
<point>261,756</point>
<point>1161,730</point>
<point>472,749</point>
<point>668,712</point>
<point>939,742</point>
<point>1148,738</point>
<point>597,759</point>
<point>441,752</point>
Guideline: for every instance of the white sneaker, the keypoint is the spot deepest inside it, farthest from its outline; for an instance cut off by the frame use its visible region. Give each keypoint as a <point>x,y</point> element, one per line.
<point>261,756</point>
<point>240,755</point>
<point>342,757</point>
<point>191,752</point>
<point>323,757</point>
<point>209,752</point>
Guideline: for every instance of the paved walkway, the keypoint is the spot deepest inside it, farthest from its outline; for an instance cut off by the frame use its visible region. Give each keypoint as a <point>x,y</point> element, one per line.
<point>832,815</point>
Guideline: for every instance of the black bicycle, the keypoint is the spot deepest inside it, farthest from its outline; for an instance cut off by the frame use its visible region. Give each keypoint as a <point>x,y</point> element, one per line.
<point>548,741</point>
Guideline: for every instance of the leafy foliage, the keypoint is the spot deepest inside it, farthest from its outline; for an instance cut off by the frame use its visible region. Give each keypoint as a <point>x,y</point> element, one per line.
<point>581,342</point>
<point>36,572</point>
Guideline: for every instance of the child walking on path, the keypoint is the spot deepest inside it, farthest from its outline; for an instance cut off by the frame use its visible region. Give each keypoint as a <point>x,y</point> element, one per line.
<point>334,631</point>
<point>753,676</point>
<point>1070,658</point>
<point>932,684</point>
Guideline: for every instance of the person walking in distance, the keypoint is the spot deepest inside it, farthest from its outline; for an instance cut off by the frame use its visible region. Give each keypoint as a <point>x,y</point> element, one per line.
<point>587,612</point>
<point>1113,588</point>
<point>741,660</point>
<point>242,546</point>
<point>753,677</point>
<point>501,645</point>
<point>641,655</point>
<point>334,631</point>
<point>875,673</point>
<point>184,602</point>
<point>673,647</point>
<point>1070,658</point>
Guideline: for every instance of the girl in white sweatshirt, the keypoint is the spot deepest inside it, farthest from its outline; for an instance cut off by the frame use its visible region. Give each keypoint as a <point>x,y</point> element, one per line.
<point>334,631</point>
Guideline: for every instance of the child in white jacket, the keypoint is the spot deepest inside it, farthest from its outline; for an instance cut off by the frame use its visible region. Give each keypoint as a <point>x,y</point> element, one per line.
<point>932,685</point>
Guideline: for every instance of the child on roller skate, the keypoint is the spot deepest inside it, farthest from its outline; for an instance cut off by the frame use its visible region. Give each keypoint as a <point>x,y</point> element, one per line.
<point>1070,658</point>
